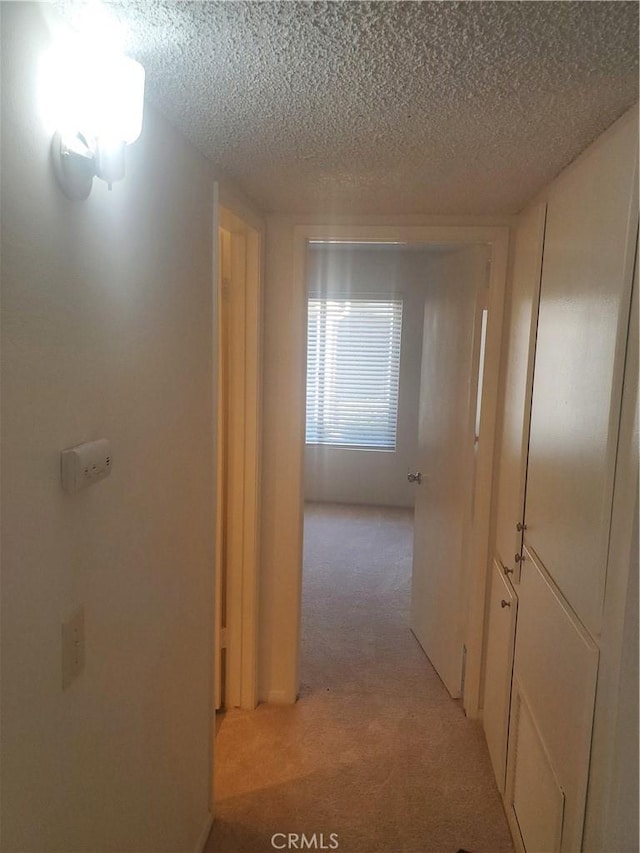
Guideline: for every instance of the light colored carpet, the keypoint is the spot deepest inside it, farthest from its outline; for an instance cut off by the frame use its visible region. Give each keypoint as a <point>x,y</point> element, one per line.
<point>375,750</point>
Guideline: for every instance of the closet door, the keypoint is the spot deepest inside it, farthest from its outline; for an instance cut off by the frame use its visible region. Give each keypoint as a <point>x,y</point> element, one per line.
<point>554,686</point>
<point>497,695</point>
<point>518,380</point>
<point>584,312</point>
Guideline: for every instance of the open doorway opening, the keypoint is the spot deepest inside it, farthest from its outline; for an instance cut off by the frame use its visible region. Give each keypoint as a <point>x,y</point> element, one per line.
<point>395,346</point>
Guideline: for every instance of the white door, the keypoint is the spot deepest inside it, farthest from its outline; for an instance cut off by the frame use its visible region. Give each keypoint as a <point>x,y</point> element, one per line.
<point>501,632</point>
<point>518,385</point>
<point>443,506</point>
<point>585,296</point>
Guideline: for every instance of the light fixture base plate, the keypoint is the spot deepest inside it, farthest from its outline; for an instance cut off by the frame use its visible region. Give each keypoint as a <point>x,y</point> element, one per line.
<point>74,168</point>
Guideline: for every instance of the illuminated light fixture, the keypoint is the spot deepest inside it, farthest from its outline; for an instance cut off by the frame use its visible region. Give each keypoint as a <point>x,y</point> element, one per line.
<point>94,98</point>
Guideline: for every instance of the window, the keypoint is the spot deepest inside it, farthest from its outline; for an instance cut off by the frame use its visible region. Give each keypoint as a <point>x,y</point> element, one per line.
<point>353,366</point>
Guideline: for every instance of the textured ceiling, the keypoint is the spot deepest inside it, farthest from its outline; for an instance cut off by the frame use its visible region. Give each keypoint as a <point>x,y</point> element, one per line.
<point>385,107</point>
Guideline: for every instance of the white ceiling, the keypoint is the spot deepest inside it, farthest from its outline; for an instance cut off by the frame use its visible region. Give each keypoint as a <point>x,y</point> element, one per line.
<point>388,107</point>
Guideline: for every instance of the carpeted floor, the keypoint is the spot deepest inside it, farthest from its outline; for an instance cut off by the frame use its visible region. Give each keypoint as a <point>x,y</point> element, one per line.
<point>374,751</point>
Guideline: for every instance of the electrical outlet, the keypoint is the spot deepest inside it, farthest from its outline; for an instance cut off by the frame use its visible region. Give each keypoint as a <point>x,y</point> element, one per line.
<point>72,648</point>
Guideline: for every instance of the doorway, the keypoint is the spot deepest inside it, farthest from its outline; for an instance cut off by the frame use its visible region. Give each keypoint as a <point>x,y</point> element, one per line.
<point>284,437</point>
<point>364,337</point>
<point>394,341</point>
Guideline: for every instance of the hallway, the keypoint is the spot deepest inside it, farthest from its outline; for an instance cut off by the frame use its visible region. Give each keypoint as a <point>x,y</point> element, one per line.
<point>374,751</point>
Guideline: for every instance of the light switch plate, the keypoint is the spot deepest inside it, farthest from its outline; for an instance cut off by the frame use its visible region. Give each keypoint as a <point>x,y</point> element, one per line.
<point>72,648</point>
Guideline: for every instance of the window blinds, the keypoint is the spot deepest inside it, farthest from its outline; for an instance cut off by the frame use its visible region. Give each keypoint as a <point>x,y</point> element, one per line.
<point>353,367</point>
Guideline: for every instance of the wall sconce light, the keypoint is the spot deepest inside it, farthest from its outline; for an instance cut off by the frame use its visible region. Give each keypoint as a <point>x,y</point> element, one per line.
<point>95,100</point>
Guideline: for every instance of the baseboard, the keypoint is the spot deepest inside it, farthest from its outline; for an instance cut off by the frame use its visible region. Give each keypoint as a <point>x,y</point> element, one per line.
<point>204,835</point>
<point>280,697</point>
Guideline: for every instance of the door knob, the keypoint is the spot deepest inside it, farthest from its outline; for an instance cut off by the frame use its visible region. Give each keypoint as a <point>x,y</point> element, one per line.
<point>519,558</point>
<point>504,603</point>
<point>520,527</point>
<point>415,478</point>
<point>508,571</point>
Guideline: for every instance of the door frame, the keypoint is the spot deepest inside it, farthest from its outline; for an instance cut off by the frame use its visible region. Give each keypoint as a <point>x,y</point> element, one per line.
<point>239,404</point>
<point>497,240</point>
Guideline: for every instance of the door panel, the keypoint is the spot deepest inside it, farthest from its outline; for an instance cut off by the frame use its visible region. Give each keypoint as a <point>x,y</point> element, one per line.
<point>446,460</point>
<point>584,310</point>
<point>538,799</point>
<point>501,629</point>
<point>523,317</point>
<point>555,668</point>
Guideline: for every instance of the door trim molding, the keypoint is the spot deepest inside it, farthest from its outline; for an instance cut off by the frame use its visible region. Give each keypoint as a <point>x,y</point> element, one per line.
<point>238,521</point>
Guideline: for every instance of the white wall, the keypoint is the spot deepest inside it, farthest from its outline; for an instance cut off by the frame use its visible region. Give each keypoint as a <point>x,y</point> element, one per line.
<point>351,475</point>
<point>106,331</point>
